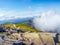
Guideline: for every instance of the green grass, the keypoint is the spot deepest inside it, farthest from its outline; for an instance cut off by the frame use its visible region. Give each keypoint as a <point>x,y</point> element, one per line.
<point>22,26</point>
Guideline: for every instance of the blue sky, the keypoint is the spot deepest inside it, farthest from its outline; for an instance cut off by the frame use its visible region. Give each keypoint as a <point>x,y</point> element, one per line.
<point>10,9</point>
<point>29,5</point>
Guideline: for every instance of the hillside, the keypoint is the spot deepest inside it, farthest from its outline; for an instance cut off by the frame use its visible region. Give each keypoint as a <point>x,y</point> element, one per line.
<point>35,37</point>
<point>23,26</point>
<point>41,38</point>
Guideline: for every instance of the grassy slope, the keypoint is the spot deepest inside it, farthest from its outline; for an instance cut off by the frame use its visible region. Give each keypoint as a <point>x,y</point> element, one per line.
<point>23,26</point>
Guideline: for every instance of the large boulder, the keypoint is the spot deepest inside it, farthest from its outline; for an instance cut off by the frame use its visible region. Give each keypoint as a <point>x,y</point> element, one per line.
<point>2,29</point>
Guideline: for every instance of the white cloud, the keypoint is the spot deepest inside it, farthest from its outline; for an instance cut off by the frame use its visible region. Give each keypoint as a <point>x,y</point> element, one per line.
<point>49,21</point>
<point>8,15</point>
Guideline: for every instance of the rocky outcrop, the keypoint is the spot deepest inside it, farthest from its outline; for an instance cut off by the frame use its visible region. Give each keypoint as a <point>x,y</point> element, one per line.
<point>41,38</point>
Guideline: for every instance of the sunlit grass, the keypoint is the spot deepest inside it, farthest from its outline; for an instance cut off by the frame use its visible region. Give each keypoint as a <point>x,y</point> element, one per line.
<point>22,27</point>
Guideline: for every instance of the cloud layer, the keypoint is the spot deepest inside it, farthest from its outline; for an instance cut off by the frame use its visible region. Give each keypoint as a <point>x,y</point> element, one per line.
<point>10,15</point>
<point>48,21</point>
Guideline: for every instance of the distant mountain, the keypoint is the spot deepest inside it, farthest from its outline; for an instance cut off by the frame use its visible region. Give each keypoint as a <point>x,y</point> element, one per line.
<point>19,20</point>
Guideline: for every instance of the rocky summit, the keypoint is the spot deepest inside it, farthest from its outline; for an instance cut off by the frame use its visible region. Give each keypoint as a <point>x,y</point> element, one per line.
<point>27,38</point>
